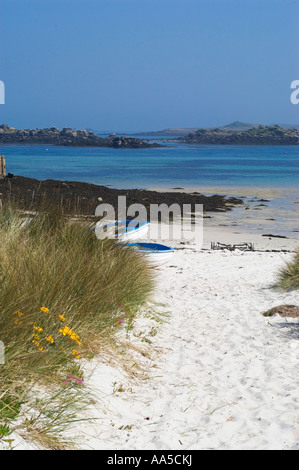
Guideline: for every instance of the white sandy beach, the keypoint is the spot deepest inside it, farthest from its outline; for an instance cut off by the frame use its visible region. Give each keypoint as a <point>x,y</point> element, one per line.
<point>216,373</point>
<point>221,376</point>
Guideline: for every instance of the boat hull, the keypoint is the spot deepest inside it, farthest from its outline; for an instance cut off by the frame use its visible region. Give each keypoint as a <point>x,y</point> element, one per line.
<point>124,231</point>
<point>155,253</point>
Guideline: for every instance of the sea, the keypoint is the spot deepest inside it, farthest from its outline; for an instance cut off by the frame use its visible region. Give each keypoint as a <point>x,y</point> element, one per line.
<point>171,166</point>
<point>266,177</point>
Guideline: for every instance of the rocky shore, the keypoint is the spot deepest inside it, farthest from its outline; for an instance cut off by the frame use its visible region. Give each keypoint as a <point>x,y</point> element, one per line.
<point>67,137</point>
<point>83,198</point>
<point>260,135</point>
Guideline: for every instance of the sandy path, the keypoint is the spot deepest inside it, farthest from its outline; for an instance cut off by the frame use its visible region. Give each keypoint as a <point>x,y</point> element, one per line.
<point>227,376</point>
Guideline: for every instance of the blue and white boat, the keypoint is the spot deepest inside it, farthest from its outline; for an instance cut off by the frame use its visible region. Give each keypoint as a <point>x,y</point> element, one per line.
<point>155,253</point>
<point>123,230</point>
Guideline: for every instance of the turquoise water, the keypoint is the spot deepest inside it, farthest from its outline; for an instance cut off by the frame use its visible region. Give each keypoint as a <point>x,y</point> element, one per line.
<point>173,166</point>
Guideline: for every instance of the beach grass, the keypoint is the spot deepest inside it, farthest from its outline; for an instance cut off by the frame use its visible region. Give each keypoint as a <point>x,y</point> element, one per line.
<point>288,276</point>
<point>64,297</point>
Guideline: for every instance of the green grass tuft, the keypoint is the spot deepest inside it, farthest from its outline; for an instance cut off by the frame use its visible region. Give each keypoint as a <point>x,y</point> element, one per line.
<point>64,295</point>
<point>288,276</point>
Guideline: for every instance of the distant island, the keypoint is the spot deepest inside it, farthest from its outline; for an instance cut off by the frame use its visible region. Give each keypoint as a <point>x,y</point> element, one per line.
<point>68,137</point>
<point>260,135</point>
<point>236,133</point>
<point>236,126</point>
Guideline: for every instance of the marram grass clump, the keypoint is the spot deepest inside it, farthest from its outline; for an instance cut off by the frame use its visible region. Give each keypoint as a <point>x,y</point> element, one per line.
<point>288,276</point>
<point>64,294</point>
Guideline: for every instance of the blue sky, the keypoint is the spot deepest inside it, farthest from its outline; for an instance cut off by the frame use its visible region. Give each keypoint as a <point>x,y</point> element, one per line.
<point>134,65</point>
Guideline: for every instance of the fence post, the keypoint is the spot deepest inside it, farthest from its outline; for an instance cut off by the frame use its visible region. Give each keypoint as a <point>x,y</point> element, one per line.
<point>2,166</point>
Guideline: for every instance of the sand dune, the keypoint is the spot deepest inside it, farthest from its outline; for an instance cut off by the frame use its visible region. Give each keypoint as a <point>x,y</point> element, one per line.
<point>221,375</point>
<point>216,374</point>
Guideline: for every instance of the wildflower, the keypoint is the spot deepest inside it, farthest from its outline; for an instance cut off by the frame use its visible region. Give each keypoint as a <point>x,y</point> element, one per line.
<point>35,336</point>
<point>50,339</point>
<point>61,318</point>
<point>67,331</point>
<point>74,379</point>
<point>76,354</point>
<point>44,309</point>
<point>40,348</point>
<point>37,328</point>
<point>79,381</point>
<point>120,321</point>
<point>19,313</point>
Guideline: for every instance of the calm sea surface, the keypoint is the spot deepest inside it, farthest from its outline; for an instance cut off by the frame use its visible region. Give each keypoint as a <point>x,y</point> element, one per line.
<point>173,166</point>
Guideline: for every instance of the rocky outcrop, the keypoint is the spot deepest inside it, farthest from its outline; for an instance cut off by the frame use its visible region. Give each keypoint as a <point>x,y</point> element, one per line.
<point>83,198</point>
<point>260,135</point>
<point>283,311</point>
<point>67,137</point>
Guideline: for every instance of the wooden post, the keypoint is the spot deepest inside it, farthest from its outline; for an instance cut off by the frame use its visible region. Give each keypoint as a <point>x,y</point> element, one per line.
<point>2,166</point>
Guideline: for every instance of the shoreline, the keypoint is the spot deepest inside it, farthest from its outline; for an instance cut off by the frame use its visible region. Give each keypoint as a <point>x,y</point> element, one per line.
<point>85,197</point>
<point>273,211</point>
<point>231,190</point>
<point>231,215</point>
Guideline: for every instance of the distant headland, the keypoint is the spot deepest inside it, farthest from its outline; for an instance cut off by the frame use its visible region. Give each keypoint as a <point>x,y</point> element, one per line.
<point>260,135</point>
<point>68,137</point>
<point>237,132</point>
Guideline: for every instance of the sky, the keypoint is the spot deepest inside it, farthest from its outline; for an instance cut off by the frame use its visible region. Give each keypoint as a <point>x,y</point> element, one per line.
<point>146,65</point>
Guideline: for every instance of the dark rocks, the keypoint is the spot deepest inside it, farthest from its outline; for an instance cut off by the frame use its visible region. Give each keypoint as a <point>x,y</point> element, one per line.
<point>261,135</point>
<point>270,235</point>
<point>83,198</point>
<point>283,310</point>
<point>67,137</point>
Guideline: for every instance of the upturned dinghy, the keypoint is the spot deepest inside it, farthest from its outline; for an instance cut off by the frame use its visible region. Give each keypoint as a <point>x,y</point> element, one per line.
<point>124,230</point>
<point>155,253</point>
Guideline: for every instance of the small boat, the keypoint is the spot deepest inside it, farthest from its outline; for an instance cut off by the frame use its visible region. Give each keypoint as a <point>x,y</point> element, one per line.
<point>155,253</point>
<point>124,230</point>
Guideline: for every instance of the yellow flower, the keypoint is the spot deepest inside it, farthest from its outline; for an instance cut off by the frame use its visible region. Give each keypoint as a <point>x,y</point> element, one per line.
<point>50,339</point>
<point>19,313</point>
<point>67,331</point>
<point>64,331</point>
<point>44,309</point>
<point>61,318</point>
<point>76,354</point>
<point>38,328</point>
<point>41,348</point>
